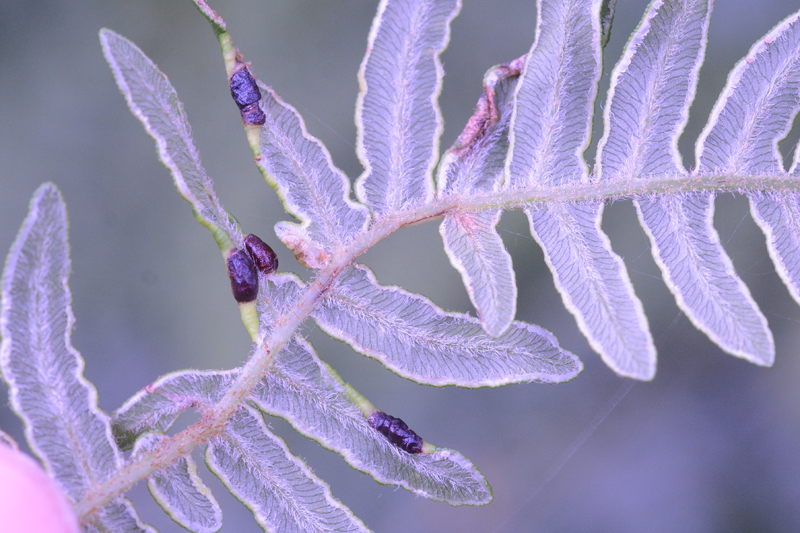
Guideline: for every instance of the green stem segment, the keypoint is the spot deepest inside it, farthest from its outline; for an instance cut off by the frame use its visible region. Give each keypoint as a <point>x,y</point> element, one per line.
<point>365,405</point>
<point>220,235</point>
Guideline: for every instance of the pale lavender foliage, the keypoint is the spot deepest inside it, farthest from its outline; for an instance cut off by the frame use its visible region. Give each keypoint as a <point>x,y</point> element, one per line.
<point>524,142</point>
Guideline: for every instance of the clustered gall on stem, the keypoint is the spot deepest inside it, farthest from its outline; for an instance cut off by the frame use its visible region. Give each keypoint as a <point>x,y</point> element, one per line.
<point>263,256</point>
<point>244,276</point>
<point>244,265</point>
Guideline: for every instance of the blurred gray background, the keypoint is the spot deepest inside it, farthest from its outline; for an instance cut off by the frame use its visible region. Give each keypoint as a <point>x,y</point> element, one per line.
<point>711,444</point>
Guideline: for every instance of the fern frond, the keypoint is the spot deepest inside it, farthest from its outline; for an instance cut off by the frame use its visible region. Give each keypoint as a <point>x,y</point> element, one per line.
<point>58,405</point>
<point>550,130</point>
<point>523,148</point>
<point>398,117</point>
<point>312,189</point>
<point>648,103</point>
<point>421,342</point>
<point>755,111</point>
<point>180,491</point>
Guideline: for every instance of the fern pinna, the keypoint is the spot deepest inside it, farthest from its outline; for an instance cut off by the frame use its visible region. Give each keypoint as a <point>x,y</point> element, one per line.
<point>522,149</point>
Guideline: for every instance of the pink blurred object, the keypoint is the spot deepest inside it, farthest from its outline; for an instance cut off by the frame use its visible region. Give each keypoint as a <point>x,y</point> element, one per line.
<point>31,502</point>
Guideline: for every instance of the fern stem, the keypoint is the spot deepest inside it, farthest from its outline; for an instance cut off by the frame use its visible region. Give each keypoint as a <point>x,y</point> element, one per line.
<point>601,191</point>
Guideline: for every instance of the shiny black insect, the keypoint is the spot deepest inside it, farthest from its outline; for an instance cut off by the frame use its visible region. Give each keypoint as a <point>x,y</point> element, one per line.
<point>246,95</point>
<point>396,431</point>
<point>263,256</point>
<point>244,276</point>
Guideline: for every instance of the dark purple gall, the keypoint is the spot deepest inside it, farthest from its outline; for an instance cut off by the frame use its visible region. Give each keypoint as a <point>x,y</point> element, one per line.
<point>244,88</point>
<point>396,431</point>
<point>244,277</point>
<point>252,114</point>
<point>263,256</point>
<point>246,94</point>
